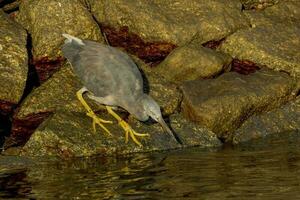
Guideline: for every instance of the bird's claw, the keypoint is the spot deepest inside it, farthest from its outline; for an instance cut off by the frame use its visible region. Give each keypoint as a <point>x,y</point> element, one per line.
<point>100,122</point>
<point>132,133</point>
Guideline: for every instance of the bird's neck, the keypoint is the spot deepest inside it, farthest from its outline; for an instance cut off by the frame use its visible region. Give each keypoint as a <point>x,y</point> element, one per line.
<point>139,108</point>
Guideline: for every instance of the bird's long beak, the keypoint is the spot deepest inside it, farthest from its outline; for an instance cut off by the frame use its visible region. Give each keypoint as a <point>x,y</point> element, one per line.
<point>166,128</point>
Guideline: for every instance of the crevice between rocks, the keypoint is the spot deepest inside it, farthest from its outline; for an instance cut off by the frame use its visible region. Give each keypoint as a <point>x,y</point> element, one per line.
<point>22,129</point>
<point>9,6</point>
<point>19,130</point>
<point>213,44</point>
<point>32,80</point>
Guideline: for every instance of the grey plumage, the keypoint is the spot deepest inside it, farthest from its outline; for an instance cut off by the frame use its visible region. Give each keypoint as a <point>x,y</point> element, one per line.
<point>112,78</point>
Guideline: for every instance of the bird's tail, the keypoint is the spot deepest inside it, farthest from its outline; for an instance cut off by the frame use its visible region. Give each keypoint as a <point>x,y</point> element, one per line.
<point>72,39</point>
<point>72,47</point>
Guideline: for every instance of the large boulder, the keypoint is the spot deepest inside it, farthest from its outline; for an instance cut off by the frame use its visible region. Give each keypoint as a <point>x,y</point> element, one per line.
<point>46,20</point>
<point>174,22</point>
<point>278,121</point>
<point>191,62</point>
<point>286,12</point>
<point>279,51</point>
<point>68,134</point>
<point>13,63</point>
<point>222,104</point>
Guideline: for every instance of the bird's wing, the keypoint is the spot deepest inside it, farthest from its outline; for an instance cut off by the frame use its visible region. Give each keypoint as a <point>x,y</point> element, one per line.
<point>105,70</point>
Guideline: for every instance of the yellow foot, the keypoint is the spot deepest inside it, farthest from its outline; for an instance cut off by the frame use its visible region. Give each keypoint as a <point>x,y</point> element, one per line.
<point>90,113</point>
<point>127,128</point>
<point>132,133</point>
<point>99,121</point>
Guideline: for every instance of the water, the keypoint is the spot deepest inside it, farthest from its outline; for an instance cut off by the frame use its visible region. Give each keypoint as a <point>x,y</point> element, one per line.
<point>268,169</point>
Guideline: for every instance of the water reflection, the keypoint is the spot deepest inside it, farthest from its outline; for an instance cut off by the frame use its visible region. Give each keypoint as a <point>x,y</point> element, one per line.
<point>268,169</point>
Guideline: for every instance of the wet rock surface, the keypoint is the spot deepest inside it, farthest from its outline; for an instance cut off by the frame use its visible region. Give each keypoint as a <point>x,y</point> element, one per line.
<point>46,20</point>
<point>277,121</point>
<point>222,104</point>
<point>174,22</point>
<point>192,134</point>
<point>191,62</point>
<point>13,62</point>
<point>279,51</point>
<point>70,134</point>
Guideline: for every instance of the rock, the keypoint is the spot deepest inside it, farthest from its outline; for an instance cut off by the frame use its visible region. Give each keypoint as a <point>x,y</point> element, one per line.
<point>55,17</point>
<point>192,134</point>
<point>70,135</point>
<point>13,63</point>
<point>278,121</point>
<point>11,6</point>
<point>191,62</point>
<point>279,51</point>
<point>165,93</point>
<point>173,22</point>
<point>150,52</point>
<point>57,93</point>
<point>222,104</point>
<point>285,12</point>
<point>258,4</point>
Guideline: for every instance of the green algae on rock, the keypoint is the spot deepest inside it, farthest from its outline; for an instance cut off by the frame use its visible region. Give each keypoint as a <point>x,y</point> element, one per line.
<point>278,121</point>
<point>224,103</point>
<point>175,22</point>
<point>274,46</point>
<point>191,62</point>
<point>13,60</point>
<point>68,134</point>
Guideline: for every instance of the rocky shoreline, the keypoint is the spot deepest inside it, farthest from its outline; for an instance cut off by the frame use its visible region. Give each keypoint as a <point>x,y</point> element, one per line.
<point>222,72</point>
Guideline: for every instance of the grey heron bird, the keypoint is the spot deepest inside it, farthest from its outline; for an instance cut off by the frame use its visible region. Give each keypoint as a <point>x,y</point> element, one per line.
<point>110,77</point>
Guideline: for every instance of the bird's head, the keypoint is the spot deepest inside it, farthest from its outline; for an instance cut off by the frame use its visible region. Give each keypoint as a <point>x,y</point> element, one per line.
<point>152,109</point>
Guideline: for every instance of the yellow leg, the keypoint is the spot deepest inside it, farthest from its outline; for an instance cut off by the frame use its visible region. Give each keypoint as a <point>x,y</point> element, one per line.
<point>90,113</point>
<point>126,127</point>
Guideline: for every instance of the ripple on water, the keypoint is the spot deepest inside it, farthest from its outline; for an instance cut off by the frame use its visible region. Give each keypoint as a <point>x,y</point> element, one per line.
<point>268,169</point>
